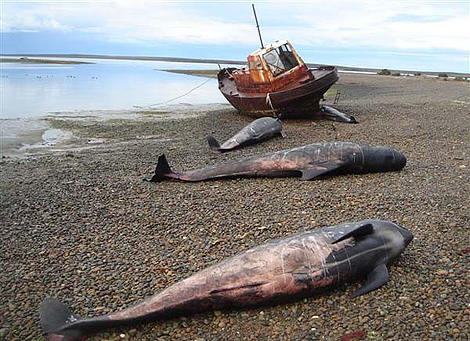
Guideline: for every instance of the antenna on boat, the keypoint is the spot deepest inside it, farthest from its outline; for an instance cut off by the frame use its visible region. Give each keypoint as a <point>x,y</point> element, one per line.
<point>257,26</point>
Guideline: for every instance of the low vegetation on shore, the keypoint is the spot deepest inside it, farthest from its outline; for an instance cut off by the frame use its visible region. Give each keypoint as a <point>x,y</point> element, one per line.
<point>203,73</point>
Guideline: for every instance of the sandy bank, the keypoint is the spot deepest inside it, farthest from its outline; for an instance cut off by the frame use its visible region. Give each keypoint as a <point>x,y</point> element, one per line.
<point>81,225</point>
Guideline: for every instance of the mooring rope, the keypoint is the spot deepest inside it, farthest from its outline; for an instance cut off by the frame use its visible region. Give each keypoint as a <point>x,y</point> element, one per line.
<point>170,100</point>
<point>268,102</point>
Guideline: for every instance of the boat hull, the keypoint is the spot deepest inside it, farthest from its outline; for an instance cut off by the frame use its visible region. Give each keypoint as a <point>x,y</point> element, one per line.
<point>301,101</point>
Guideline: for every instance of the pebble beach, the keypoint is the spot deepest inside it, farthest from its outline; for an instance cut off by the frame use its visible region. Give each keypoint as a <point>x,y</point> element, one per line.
<point>79,224</point>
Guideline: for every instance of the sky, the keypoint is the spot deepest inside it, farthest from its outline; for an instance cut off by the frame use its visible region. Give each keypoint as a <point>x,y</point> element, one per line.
<point>404,35</point>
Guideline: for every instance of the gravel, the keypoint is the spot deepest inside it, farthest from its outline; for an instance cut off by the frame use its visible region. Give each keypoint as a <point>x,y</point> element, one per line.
<point>83,227</point>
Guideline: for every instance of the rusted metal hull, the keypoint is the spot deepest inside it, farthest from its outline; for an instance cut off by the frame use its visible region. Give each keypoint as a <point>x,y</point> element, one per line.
<point>300,100</point>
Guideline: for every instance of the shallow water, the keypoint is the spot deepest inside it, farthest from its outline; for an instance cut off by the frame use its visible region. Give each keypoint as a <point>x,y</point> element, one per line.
<point>34,90</point>
<point>104,90</point>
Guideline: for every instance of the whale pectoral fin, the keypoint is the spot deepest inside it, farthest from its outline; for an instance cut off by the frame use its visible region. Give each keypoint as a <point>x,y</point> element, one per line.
<point>309,174</point>
<point>359,231</point>
<point>283,135</point>
<point>317,170</point>
<point>375,279</point>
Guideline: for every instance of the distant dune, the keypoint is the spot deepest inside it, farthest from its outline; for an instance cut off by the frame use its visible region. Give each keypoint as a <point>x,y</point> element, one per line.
<point>229,62</point>
<point>39,61</point>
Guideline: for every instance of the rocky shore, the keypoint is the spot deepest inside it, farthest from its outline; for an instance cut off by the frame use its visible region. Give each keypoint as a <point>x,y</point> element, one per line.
<point>80,225</point>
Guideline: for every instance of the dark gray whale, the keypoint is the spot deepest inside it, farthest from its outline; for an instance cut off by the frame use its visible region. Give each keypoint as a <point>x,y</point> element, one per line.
<point>257,131</point>
<point>336,115</point>
<point>308,162</point>
<point>274,272</point>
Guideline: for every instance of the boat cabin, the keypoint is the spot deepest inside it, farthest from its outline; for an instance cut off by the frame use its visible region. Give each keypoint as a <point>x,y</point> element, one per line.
<point>272,68</point>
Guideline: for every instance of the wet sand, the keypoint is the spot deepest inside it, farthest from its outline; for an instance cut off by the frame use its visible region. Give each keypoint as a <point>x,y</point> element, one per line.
<point>79,224</point>
<point>26,137</point>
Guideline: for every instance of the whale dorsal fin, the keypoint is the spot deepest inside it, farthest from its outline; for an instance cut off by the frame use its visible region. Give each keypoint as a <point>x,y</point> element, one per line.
<point>359,231</point>
<point>375,279</point>
<point>320,169</point>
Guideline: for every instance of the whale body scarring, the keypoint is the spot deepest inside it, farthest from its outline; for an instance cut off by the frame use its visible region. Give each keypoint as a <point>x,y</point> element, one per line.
<point>274,272</point>
<point>257,131</point>
<point>306,162</point>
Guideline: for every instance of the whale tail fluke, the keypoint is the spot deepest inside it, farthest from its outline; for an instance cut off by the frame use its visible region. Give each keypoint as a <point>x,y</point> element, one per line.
<point>54,317</point>
<point>213,144</point>
<point>162,170</point>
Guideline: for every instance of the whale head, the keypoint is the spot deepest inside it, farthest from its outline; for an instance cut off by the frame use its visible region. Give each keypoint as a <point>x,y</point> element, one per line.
<point>380,159</point>
<point>406,234</point>
<point>395,238</point>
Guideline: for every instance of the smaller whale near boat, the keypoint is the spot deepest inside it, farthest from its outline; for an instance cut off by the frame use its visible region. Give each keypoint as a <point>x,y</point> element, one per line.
<point>257,131</point>
<point>307,162</point>
<point>278,271</point>
<point>336,115</point>
<point>275,272</point>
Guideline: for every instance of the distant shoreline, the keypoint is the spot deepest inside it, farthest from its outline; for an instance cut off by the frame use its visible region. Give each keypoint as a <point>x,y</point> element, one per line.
<point>26,60</point>
<point>224,61</point>
<point>213,74</point>
<point>200,73</point>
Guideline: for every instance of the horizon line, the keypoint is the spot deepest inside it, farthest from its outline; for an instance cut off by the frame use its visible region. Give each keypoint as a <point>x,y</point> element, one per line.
<point>217,61</point>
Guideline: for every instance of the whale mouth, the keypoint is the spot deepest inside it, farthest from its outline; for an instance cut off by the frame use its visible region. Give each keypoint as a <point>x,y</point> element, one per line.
<point>399,160</point>
<point>406,234</point>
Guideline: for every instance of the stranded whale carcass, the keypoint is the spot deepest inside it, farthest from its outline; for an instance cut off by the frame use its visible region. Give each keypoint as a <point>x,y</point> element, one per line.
<point>336,115</point>
<point>307,162</point>
<point>277,271</point>
<point>257,131</point>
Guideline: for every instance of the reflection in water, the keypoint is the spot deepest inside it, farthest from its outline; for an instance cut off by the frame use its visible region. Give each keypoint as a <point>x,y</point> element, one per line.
<point>35,90</point>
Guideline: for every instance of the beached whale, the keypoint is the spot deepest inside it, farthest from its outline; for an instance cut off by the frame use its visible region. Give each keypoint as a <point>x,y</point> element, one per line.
<point>336,115</point>
<point>257,131</point>
<point>274,272</point>
<point>307,162</point>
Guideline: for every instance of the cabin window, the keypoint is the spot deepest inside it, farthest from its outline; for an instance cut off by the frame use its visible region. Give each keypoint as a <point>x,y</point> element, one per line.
<point>255,64</point>
<point>280,59</point>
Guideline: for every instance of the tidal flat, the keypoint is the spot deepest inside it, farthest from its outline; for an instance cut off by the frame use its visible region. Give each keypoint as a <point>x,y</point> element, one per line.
<point>80,225</point>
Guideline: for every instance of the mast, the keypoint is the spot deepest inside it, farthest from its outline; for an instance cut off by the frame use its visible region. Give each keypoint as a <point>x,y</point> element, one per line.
<point>257,26</point>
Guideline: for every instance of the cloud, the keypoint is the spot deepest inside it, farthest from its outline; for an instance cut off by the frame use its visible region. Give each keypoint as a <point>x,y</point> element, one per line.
<point>32,23</point>
<point>389,25</point>
<point>369,24</point>
<point>172,24</point>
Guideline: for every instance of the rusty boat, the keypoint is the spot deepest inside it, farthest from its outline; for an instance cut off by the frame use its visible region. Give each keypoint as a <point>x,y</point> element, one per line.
<point>276,82</point>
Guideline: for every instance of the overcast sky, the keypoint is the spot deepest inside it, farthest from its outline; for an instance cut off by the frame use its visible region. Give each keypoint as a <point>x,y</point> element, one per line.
<point>415,35</point>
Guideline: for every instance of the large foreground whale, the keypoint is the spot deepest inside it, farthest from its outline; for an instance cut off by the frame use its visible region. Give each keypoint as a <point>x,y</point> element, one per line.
<point>277,271</point>
<point>308,162</point>
<point>257,131</point>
